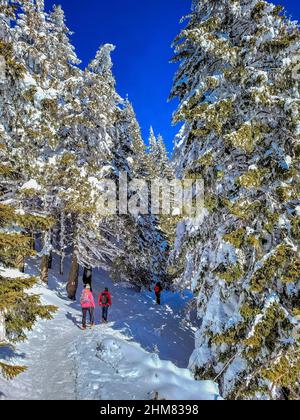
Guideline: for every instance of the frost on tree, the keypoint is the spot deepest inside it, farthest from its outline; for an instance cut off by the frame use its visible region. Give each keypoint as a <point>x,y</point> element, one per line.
<point>240,104</point>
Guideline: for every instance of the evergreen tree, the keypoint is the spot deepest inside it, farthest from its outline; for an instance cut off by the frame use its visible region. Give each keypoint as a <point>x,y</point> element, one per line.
<point>152,141</point>
<point>141,258</point>
<point>60,50</point>
<point>153,154</point>
<point>239,101</point>
<point>138,156</point>
<point>19,310</point>
<point>160,164</point>
<point>66,130</point>
<point>102,142</point>
<point>42,46</point>
<point>162,169</point>
<point>164,164</point>
<point>90,144</point>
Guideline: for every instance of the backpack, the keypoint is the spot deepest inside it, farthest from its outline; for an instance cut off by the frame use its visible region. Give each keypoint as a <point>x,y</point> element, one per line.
<point>85,298</point>
<point>104,299</point>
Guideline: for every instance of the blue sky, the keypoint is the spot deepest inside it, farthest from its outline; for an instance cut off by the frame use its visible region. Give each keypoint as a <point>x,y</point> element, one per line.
<point>143,32</point>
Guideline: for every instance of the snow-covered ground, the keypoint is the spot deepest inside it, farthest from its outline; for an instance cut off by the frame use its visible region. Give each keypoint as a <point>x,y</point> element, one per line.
<point>143,350</point>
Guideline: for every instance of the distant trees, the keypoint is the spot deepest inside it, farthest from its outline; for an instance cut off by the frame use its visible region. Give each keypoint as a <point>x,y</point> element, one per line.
<point>160,164</point>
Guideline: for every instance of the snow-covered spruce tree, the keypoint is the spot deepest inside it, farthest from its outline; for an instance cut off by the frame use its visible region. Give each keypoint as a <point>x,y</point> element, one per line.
<point>161,168</point>
<point>153,154</point>
<point>141,259</point>
<point>125,243</point>
<point>19,124</point>
<point>18,120</point>
<point>73,130</point>
<point>152,141</point>
<point>164,164</point>
<point>43,47</point>
<point>88,144</point>
<point>62,109</point>
<point>19,310</point>
<point>61,52</point>
<point>160,164</point>
<point>30,132</point>
<point>239,100</point>
<point>97,145</point>
<point>130,130</point>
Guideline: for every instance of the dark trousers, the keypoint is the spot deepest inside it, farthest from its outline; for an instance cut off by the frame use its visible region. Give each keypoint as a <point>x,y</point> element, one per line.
<point>84,315</point>
<point>157,298</point>
<point>105,313</point>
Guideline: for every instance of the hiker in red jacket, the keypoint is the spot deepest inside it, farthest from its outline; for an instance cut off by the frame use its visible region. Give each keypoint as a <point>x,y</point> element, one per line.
<point>105,302</point>
<point>158,289</point>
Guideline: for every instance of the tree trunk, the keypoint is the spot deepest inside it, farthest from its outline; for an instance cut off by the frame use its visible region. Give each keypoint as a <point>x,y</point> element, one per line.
<point>45,268</point>
<point>62,243</point>
<point>45,258</point>
<point>33,240</point>
<point>61,264</point>
<point>50,260</point>
<point>50,257</point>
<point>73,277</point>
<point>2,328</point>
<point>20,263</point>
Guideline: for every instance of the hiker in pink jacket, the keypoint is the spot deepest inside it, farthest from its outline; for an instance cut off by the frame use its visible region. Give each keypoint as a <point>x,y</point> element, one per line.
<point>88,306</point>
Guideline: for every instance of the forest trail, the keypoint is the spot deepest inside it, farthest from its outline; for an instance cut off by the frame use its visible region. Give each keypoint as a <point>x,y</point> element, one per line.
<point>144,349</point>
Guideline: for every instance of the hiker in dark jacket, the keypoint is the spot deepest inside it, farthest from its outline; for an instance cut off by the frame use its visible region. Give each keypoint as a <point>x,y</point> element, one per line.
<point>105,302</point>
<point>87,277</point>
<point>158,289</point>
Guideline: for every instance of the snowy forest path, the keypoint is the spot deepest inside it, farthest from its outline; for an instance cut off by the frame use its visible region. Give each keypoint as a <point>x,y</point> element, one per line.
<point>67,363</point>
<point>51,373</point>
<point>54,376</point>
